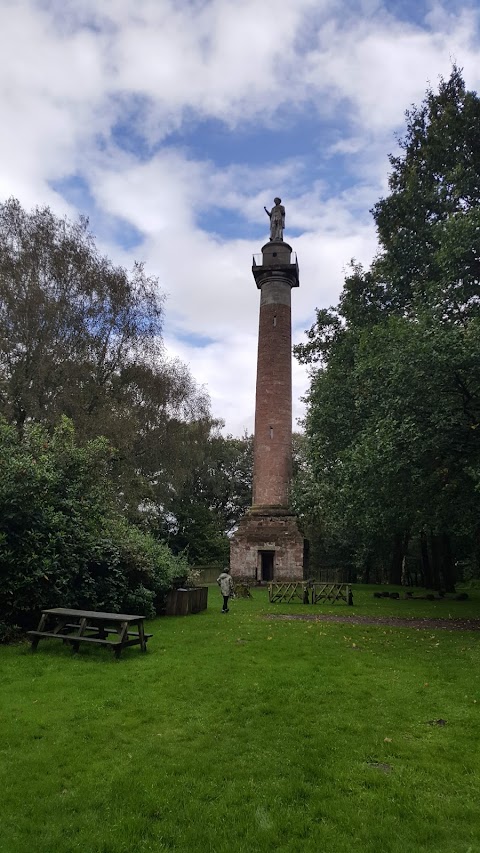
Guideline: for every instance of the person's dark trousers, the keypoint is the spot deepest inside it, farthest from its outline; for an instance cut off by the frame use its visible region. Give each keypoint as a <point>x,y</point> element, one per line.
<point>225,603</point>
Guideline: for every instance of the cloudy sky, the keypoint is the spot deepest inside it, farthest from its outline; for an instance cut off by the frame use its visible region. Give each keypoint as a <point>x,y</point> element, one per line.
<point>171,123</point>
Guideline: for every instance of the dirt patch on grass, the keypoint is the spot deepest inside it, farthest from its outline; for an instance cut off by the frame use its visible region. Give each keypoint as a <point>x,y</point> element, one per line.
<point>426,623</point>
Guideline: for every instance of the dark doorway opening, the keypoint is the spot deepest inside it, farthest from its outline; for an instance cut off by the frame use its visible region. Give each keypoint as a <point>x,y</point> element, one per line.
<point>266,565</point>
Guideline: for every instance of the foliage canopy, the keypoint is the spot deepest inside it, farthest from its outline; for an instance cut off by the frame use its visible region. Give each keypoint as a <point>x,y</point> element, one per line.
<point>391,474</point>
<point>83,338</point>
<point>63,541</point>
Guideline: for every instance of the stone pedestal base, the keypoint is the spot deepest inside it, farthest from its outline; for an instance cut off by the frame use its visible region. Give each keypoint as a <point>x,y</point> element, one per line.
<point>266,546</point>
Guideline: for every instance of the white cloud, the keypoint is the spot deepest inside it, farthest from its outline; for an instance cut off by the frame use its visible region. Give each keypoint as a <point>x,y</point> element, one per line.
<point>381,65</point>
<point>71,71</point>
<point>211,291</point>
<point>50,93</point>
<point>227,368</point>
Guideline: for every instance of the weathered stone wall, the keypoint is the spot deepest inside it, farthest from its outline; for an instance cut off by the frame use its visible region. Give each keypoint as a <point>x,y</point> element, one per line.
<point>256,533</point>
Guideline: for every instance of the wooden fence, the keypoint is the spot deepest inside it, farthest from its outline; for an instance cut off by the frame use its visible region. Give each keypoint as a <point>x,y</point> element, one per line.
<point>309,593</point>
<point>289,591</point>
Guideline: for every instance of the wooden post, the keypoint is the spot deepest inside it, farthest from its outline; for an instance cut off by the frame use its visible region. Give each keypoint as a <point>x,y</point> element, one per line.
<point>141,634</point>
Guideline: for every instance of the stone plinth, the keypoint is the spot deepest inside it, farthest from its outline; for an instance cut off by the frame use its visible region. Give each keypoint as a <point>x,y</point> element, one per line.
<point>267,545</point>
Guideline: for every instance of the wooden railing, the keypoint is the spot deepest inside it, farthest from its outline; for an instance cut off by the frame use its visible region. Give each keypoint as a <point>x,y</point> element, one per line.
<point>309,593</point>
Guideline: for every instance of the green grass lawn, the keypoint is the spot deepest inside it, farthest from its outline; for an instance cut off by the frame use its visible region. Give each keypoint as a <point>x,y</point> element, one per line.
<point>242,733</point>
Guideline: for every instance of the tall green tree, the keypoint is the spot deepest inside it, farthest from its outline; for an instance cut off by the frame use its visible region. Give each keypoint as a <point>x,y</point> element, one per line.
<point>63,541</point>
<point>428,226</point>
<point>393,444</point>
<point>82,337</point>
<point>217,491</point>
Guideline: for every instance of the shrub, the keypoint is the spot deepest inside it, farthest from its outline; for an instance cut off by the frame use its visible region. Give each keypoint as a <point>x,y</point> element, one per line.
<point>140,601</point>
<point>63,541</point>
<point>9,633</point>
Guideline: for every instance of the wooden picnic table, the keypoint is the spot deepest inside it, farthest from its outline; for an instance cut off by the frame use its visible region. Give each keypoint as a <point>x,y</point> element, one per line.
<point>90,626</point>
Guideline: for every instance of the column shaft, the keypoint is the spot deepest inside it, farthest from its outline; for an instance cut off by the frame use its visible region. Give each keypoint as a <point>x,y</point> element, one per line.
<point>273,411</point>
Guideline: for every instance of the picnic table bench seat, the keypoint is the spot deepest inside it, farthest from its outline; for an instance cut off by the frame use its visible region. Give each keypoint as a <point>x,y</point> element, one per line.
<point>90,626</point>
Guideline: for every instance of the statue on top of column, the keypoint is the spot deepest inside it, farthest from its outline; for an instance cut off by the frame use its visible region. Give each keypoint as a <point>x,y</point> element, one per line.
<point>277,220</point>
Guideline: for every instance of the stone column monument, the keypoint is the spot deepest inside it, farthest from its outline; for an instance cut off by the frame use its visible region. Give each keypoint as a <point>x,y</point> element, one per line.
<point>268,544</point>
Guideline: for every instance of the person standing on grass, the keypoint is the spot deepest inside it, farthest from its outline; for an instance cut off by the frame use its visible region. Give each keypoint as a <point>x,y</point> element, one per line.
<point>225,582</point>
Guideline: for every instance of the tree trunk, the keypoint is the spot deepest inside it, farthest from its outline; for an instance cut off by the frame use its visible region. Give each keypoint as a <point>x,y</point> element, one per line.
<point>448,565</point>
<point>395,576</point>
<point>435,552</point>
<point>407,579</point>
<point>477,552</point>
<point>426,566</point>
<point>367,565</point>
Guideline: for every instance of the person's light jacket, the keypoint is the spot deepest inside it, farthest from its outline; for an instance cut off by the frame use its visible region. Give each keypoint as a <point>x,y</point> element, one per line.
<point>225,582</point>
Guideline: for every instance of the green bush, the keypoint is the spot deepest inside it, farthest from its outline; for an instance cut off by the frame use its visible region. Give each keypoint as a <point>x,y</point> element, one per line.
<point>141,601</point>
<point>9,633</point>
<point>63,541</point>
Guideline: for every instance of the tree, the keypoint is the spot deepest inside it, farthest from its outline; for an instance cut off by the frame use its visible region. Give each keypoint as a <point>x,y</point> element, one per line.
<point>70,320</point>
<point>394,406</point>
<point>82,337</point>
<point>428,227</point>
<point>63,541</point>
<point>215,494</point>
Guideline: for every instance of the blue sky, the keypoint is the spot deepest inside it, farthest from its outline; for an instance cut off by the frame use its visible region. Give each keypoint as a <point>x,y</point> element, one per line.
<point>171,124</point>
